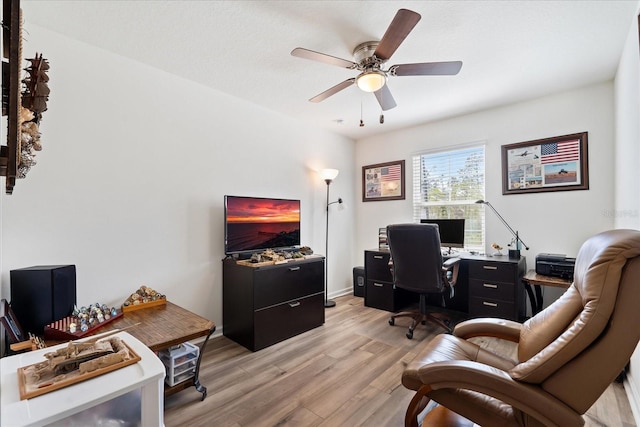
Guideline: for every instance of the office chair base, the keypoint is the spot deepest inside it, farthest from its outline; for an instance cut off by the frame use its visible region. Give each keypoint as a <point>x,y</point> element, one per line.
<point>436,318</point>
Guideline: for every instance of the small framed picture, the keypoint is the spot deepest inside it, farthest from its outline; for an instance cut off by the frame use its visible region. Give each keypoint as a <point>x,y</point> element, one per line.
<point>550,164</point>
<point>383,181</point>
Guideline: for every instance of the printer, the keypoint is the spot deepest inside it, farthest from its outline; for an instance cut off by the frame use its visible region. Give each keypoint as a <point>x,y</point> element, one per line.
<point>555,265</point>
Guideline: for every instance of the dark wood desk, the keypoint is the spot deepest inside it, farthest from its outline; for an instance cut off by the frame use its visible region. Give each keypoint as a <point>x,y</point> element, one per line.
<point>487,286</point>
<point>164,326</point>
<point>537,280</point>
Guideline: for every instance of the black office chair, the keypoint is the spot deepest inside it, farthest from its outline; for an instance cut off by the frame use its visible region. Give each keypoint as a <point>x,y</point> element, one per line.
<point>417,266</point>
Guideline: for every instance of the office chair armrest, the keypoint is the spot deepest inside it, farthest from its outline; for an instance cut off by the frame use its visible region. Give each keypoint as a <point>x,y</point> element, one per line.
<point>450,262</point>
<point>489,327</point>
<point>451,265</point>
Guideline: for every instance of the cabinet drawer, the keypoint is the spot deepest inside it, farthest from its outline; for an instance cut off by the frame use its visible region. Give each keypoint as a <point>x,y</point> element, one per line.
<point>383,296</point>
<point>485,307</point>
<point>277,323</point>
<point>376,266</point>
<point>491,270</point>
<point>379,295</point>
<point>492,290</point>
<point>287,282</point>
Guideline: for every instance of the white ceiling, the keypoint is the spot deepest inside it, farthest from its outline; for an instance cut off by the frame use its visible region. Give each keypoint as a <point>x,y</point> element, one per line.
<point>511,50</point>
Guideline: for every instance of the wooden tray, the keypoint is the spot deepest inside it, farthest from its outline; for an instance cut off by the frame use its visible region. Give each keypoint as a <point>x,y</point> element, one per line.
<point>58,330</point>
<point>29,389</point>
<point>248,263</point>
<point>162,301</point>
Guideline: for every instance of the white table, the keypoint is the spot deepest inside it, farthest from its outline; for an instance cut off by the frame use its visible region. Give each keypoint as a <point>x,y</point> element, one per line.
<point>86,399</point>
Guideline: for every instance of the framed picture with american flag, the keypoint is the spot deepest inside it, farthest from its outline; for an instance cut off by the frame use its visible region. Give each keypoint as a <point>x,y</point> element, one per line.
<point>551,164</point>
<point>383,181</point>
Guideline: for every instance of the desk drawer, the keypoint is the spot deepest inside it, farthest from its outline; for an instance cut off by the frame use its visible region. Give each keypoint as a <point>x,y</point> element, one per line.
<point>492,270</point>
<point>492,290</point>
<point>484,307</point>
<point>384,296</point>
<point>377,266</point>
<point>379,295</point>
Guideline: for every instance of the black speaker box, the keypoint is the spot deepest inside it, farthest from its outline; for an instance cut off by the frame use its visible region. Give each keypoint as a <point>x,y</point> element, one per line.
<point>359,281</point>
<point>42,294</point>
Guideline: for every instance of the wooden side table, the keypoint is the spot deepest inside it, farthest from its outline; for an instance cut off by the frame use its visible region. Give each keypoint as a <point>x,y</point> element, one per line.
<point>164,326</point>
<point>537,280</point>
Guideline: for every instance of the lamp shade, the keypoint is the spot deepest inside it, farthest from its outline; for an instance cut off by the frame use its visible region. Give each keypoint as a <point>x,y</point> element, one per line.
<point>329,174</point>
<point>371,81</point>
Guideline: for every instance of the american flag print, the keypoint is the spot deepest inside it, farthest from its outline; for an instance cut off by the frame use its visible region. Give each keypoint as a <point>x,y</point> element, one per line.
<point>390,173</point>
<point>557,152</point>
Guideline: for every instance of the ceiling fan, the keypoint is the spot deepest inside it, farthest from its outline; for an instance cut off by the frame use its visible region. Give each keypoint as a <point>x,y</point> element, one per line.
<point>370,58</point>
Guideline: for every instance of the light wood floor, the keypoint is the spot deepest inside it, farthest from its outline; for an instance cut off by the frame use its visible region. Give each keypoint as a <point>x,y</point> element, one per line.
<point>344,373</point>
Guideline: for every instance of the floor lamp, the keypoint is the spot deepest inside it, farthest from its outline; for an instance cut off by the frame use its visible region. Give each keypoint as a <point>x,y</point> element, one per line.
<point>328,175</point>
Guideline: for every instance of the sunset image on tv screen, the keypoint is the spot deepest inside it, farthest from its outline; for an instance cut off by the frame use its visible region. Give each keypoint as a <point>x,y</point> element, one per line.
<point>258,223</point>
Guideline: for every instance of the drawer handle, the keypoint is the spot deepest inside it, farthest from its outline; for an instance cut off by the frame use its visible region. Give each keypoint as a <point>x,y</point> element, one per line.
<point>378,257</point>
<point>489,267</point>
<point>490,285</point>
<point>294,268</point>
<point>378,285</point>
<point>294,304</point>
<point>490,304</point>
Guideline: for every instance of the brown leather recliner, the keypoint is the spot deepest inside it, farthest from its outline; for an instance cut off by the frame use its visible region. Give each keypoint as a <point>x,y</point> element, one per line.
<point>567,354</point>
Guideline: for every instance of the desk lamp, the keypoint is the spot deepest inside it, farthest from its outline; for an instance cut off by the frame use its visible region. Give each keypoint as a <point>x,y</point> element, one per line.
<point>513,253</point>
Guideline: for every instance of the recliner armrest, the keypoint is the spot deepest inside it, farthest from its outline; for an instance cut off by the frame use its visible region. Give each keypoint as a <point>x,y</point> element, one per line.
<point>545,408</point>
<point>489,327</point>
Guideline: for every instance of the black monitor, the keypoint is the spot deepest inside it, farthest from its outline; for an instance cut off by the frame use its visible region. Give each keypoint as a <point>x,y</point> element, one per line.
<point>451,231</point>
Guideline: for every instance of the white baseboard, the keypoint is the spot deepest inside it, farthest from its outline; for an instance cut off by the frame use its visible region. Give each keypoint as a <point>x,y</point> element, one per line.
<point>345,291</point>
<point>634,398</point>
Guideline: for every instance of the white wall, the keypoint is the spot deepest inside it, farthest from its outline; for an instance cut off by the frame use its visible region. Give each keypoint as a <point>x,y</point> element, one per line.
<point>627,173</point>
<point>551,222</point>
<point>129,186</point>
<point>627,127</point>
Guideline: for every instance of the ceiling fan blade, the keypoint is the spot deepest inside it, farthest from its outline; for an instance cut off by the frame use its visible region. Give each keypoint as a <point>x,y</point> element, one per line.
<point>427,69</point>
<point>398,30</point>
<point>332,91</point>
<point>385,99</point>
<point>301,52</point>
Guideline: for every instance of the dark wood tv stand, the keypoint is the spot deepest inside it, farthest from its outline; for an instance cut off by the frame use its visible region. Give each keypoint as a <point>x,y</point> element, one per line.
<point>266,304</point>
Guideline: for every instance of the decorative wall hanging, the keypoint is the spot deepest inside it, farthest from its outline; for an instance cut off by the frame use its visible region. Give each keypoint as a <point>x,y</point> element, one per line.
<point>383,181</point>
<point>23,101</point>
<point>551,164</point>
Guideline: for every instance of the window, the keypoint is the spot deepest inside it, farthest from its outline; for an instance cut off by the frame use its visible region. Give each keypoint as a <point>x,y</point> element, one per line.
<point>447,184</point>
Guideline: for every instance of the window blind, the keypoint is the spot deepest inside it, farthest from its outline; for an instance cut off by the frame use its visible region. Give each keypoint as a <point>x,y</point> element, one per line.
<point>447,184</point>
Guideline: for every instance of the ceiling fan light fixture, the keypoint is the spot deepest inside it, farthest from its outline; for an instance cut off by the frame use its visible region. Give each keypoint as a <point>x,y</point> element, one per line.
<point>371,81</point>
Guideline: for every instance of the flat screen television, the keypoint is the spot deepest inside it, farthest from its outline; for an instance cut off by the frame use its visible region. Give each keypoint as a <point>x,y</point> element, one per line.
<point>451,231</point>
<point>253,224</point>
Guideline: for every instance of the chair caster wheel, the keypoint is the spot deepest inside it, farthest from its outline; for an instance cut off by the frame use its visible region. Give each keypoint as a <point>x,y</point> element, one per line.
<point>392,321</point>
<point>410,335</point>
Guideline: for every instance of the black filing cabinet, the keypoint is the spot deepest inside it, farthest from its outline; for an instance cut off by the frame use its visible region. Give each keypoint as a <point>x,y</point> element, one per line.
<point>263,305</point>
<point>380,292</point>
<point>495,289</point>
